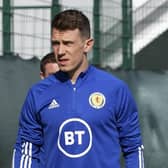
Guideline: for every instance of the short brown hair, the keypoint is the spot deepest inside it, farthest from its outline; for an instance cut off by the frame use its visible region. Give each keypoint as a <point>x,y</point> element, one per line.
<point>49,58</point>
<point>70,20</point>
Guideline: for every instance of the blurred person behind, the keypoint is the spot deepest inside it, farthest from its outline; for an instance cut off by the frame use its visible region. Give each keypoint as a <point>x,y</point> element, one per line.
<point>48,65</point>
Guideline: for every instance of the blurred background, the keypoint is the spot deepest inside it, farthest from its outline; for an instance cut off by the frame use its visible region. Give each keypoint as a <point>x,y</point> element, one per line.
<point>131,38</point>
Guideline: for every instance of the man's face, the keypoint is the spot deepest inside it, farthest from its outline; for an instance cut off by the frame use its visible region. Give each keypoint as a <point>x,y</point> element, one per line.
<point>50,68</point>
<point>70,49</point>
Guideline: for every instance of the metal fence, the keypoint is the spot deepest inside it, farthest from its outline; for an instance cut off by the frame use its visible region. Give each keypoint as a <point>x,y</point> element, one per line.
<point>25,28</point>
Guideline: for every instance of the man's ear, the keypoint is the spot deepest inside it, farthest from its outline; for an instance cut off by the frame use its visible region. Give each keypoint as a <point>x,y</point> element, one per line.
<point>88,45</point>
<point>41,75</point>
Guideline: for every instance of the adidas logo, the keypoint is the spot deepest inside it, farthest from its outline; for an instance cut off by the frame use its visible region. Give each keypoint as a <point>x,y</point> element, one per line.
<point>53,104</point>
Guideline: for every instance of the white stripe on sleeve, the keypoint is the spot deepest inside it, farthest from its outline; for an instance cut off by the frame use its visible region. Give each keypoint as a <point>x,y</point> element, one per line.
<point>141,158</point>
<point>26,159</point>
<point>13,158</point>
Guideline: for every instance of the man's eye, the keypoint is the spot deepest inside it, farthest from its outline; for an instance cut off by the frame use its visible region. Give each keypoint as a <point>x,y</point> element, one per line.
<point>68,43</point>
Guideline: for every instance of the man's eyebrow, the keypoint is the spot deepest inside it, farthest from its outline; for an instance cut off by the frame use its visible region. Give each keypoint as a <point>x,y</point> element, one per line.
<point>67,42</point>
<point>55,42</point>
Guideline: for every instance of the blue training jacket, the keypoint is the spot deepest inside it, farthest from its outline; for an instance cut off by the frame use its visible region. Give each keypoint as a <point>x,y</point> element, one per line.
<point>85,125</point>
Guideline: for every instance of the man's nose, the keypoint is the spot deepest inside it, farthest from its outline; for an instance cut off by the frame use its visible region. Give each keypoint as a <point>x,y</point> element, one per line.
<point>61,50</point>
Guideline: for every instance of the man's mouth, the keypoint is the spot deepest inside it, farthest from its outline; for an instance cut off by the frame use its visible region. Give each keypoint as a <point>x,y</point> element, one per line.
<point>62,61</point>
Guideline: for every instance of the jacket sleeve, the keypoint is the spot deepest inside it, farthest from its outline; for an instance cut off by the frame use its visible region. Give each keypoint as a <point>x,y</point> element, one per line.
<point>29,138</point>
<point>129,129</point>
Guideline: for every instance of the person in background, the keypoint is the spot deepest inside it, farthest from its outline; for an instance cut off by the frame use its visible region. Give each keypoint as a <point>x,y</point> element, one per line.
<point>48,65</point>
<point>82,116</point>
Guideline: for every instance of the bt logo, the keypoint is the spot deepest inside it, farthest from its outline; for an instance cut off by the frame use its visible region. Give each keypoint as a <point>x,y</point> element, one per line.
<point>75,138</point>
<point>69,137</point>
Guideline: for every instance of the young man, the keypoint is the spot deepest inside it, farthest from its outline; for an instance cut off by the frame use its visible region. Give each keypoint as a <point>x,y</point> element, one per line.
<point>81,117</point>
<point>48,65</point>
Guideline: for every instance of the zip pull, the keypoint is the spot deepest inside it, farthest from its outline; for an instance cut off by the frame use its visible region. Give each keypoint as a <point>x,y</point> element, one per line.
<point>74,88</point>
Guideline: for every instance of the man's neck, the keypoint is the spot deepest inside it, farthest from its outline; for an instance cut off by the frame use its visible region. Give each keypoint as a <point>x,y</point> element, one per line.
<point>74,75</point>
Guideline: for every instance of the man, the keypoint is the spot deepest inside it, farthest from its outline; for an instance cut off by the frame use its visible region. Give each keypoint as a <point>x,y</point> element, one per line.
<point>81,117</point>
<point>48,65</point>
